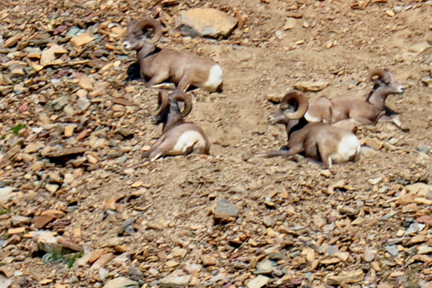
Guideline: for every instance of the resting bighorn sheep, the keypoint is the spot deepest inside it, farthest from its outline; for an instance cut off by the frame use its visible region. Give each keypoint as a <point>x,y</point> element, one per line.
<point>178,137</point>
<point>318,141</point>
<point>366,110</point>
<point>158,65</point>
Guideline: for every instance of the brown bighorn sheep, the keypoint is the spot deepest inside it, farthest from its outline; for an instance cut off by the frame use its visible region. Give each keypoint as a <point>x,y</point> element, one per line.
<point>158,65</point>
<point>178,137</point>
<point>318,141</point>
<point>366,110</point>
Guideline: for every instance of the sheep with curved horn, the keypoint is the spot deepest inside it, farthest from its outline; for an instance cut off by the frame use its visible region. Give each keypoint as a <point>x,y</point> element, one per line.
<point>178,136</point>
<point>317,141</point>
<point>159,65</point>
<point>365,110</point>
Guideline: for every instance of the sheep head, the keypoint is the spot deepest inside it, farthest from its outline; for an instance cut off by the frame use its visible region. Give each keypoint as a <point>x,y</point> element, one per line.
<point>383,77</point>
<point>136,34</point>
<point>169,110</point>
<point>292,107</point>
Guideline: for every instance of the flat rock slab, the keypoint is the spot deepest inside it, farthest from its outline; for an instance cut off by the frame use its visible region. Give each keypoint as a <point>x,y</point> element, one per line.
<point>225,210</point>
<point>258,282</point>
<point>346,278</point>
<point>121,282</point>
<point>311,86</point>
<point>175,282</point>
<point>205,22</point>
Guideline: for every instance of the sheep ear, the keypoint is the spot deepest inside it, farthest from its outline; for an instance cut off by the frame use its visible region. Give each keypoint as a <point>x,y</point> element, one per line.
<point>284,106</point>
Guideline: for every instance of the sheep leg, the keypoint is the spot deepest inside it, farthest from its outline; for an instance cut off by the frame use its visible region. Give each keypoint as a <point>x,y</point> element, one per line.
<point>272,153</point>
<point>395,121</point>
<point>157,153</point>
<point>156,79</point>
<point>284,153</point>
<point>183,84</point>
<point>347,124</point>
<point>158,149</point>
<point>362,120</point>
<point>326,160</point>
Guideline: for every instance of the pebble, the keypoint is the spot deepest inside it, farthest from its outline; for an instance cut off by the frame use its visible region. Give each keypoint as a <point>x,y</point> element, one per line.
<point>392,249</point>
<point>74,30</point>
<point>265,267</point>
<point>208,260</point>
<point>290,23</point>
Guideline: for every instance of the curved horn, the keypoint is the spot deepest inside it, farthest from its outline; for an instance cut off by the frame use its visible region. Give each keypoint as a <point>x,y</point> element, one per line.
<point>157,28</point>
<point>302,103</point>
<point>186,98</point>
<point>376,72</point>
<point>163,101</point>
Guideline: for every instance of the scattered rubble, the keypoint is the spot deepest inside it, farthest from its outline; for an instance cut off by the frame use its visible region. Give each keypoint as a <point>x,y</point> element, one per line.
<point>72,118</point>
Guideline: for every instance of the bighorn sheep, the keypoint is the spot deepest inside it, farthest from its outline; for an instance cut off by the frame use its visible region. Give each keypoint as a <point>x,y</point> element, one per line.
<point>178,137</point>
<point>158,65</point>
<point>318,141</point>
<point>366,110</point>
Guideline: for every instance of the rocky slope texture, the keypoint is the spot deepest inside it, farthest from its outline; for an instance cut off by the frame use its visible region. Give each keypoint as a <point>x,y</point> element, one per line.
<point>73,120</point>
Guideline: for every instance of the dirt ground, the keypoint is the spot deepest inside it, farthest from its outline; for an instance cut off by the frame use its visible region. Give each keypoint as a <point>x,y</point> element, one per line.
<point>316,228</point>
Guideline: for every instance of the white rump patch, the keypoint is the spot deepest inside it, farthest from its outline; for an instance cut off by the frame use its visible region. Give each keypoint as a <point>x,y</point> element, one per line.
<point>188,140</point>
<point>215,78</point>
<point>312,119</point>
<point>348,148</point>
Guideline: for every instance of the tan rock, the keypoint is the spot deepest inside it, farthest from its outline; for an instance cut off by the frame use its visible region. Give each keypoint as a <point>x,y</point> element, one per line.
<point>349,277</point>
<point>41,221</point>
<point>373,143</point>
<point>130,89</point>
<point>208,260</point>
<point>34,147</point>
<point>121,282</point>
<point>118,30</point>
<point>258,282</point>
<point>13,231</point>
<point>4,80</point>
<point>69,130</point>
<point>85,82</point>
<point>311,86</point>
<point>52,187</point>
<point>290,23</point>
<point>81,93</point>
<point>81,40</point>
<point>97,254</point>
<point>48,56</point>
<point>11,41</point>
<point>419,189</point>
<point>17,72</point>
<point>102,261</point>
<point>206,22</point>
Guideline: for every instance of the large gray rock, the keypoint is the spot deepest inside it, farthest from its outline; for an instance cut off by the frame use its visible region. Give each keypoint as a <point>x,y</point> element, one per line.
<point>205,22</point>
<point>121,282</point>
